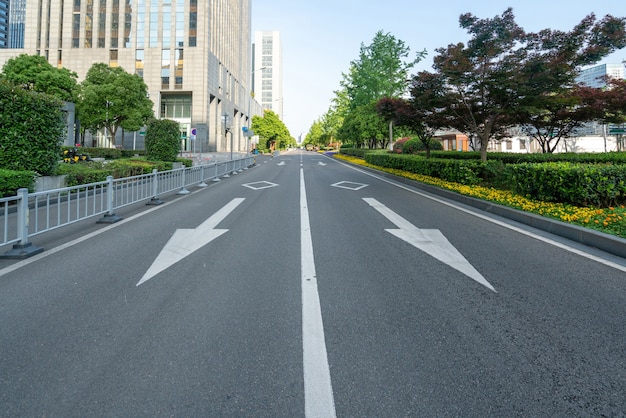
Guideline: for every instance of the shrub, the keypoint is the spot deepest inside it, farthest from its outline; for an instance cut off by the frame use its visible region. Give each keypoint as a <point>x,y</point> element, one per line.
<point>399,145</point>
<point>31,130</point>
<point>11,181</point>
<point>162,140</point>
<point>415,145</point>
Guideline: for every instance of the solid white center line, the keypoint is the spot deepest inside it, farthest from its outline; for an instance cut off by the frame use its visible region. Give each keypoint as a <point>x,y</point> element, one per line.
<point>318,391</point>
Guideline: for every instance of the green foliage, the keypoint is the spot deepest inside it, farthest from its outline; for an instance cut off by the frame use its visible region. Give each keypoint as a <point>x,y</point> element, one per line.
<point>600,185</point>
<point>110,97</point>
<point>162,140</point>
<point>31,130</point>
<point>34,72</point>
<point>416,145</point>
<point>271,131</point>
<point>96,152</point>
<point>11,181</point>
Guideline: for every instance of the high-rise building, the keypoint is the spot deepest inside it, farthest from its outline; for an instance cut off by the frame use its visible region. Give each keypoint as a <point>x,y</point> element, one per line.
<point>268,73</point>
<point>594,76</point>
<point>194,56</point>
<point>17,16</point>
<point>4,23</point>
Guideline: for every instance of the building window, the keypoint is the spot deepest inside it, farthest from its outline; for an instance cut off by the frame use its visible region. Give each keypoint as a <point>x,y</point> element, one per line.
<point>113,60</point>
<point>76,30</point>
<point>115,23</point>
<point>89,24</point>
<point>178,69</point>
<point>193,22</point>
<point>102,23</point>
<point>153,29</point>
<point>175,106</point>
<point>128,22</point>
<point>165,69</point>
<point>139,62</point>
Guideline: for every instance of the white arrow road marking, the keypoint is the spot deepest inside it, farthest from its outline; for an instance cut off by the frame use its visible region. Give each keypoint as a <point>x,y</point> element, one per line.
<point>185,241</point>
<point>431,241</point>
<point>281,163</point>
<point>321,163</point>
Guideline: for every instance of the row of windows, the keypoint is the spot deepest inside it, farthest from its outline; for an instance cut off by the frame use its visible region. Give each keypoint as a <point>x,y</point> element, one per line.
<point>170,30</point>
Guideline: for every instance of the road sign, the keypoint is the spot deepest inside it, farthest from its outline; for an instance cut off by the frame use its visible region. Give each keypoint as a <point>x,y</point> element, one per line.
<point>193,131</point>
<point>613,131</point>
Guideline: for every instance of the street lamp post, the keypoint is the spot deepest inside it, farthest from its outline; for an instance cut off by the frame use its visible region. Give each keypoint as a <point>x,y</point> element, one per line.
<point>250,95</point>
<point>226,119</point>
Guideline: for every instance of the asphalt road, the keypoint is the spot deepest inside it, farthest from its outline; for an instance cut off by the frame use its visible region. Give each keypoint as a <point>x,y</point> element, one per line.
<point>306,287</point>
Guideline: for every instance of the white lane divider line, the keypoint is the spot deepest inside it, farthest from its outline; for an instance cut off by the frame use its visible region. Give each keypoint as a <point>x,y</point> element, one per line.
<point>318,391</point>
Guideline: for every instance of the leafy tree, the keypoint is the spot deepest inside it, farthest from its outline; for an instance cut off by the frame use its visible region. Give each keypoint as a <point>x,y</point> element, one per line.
<point>551,104</point>
<point>31,130</point>
<point>316,135</point>
<point>480,78</point>
<point>421,114</point>
<point>380,71</point>
<point>34,72</point>
<point>162,140</point>
<point>363,126</point>
<point>110,97</point>
<point>272,131</point>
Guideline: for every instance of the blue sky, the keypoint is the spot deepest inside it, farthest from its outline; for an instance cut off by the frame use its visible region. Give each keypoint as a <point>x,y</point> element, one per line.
<point>321,37</point>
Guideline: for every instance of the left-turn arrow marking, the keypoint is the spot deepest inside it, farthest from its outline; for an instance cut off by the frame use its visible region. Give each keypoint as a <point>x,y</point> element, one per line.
<point>185,241</point>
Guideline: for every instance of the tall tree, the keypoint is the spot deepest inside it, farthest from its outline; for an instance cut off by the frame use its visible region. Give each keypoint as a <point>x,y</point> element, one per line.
<point>272,131</point>
<point>551,104</point>
<point>110,97</point>
<point>481,77</point>
<point>34,72</point>
<point>380,71</point>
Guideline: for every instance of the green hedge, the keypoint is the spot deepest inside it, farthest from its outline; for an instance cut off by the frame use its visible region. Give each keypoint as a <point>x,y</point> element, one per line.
<point>600,185</point>
<point>463,172</point>
<point>11,181</point>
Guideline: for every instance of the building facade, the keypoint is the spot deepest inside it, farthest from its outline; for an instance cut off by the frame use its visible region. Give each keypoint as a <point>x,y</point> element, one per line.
<point>194,56</point>
<point>268,74</point>
<point>4,24</point>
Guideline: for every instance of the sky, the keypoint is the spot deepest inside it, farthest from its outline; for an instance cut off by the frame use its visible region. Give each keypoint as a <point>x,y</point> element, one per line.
<point>321,37</point>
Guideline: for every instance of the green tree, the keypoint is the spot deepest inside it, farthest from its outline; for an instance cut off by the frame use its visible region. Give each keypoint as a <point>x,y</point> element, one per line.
<point>505,77</point>
<point>551,104</point>
<point>272,131</point>
<point>111,98</point>
<point>162,140</point>
<point>380,71</point>
<point>34,72</point>
<point>31,129</point>
<point>364,127</point>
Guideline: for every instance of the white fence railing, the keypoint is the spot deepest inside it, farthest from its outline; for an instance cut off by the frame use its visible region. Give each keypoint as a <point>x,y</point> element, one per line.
<point>29,214</point>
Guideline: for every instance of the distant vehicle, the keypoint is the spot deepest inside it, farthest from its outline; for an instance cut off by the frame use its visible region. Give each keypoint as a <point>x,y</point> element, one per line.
<point>309,147</point>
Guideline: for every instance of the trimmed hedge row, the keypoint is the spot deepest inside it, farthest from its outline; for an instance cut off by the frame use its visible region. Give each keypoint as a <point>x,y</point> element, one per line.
<point>599,185</point>
<point>11,181</point>
<point>580,184</point>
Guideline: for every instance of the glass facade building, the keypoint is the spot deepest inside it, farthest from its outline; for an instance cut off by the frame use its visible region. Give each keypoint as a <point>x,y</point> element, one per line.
<point>194,55</point>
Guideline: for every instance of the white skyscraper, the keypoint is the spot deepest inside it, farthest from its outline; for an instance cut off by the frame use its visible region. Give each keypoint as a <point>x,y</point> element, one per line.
<point>268,71</point>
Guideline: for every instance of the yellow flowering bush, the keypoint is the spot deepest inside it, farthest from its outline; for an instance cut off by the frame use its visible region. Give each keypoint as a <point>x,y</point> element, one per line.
<point>611,220</point>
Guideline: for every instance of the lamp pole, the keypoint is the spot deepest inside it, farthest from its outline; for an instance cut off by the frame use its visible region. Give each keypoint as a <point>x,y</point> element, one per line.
<point>250,107</point>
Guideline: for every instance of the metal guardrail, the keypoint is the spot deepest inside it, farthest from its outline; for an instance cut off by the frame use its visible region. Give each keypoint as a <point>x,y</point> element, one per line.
<point>29,214</point>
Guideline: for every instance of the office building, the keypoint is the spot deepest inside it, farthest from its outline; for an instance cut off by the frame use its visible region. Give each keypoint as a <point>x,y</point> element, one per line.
<point>594,76</point>
<point>4,23</point>
<point>268,74</point>
<point>194,56</point>
<point>17,17</point>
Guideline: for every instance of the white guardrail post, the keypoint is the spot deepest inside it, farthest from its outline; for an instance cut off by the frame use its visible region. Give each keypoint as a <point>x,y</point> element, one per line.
<point>155,189</point>
<point>24,248</point>
<point>183,189</point>
<point>109,217</point>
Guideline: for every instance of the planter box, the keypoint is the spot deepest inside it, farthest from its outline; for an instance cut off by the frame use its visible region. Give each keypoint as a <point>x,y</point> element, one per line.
<point>44,183</point>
